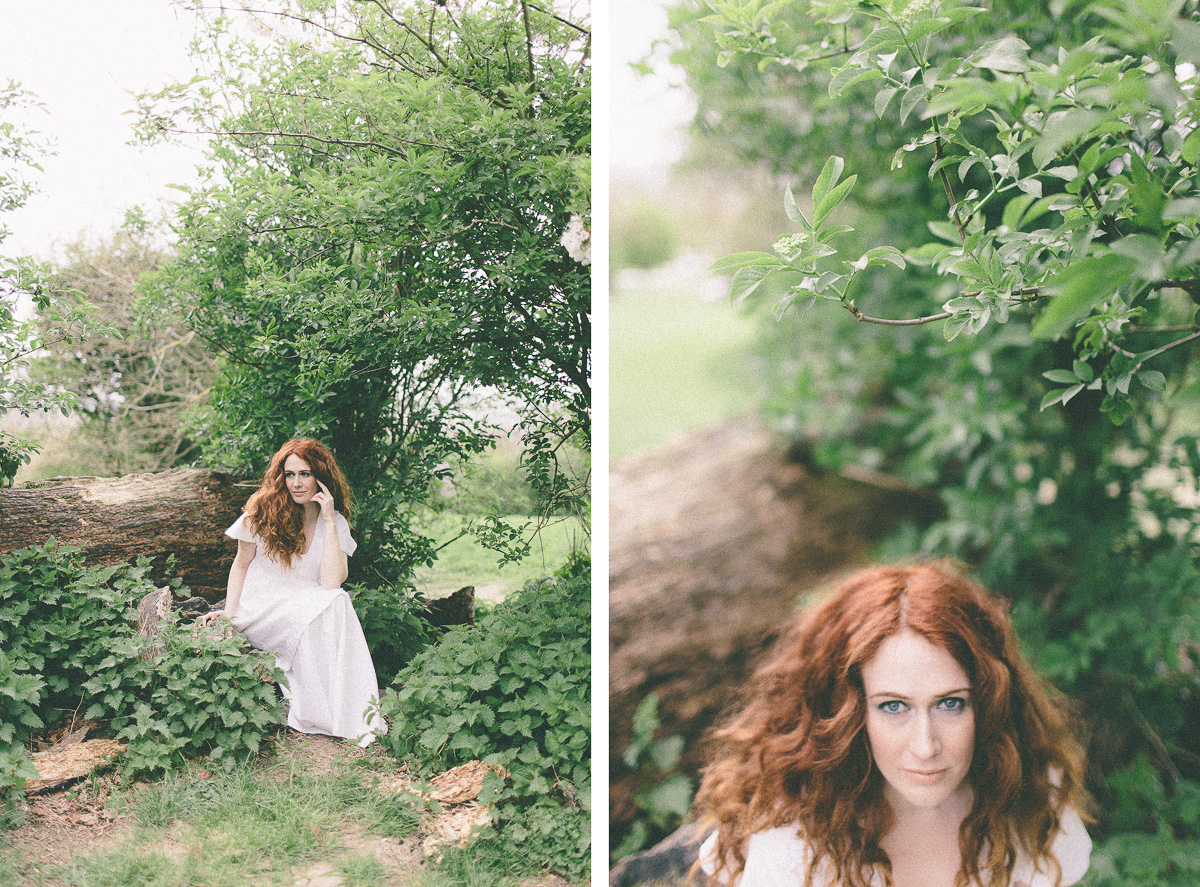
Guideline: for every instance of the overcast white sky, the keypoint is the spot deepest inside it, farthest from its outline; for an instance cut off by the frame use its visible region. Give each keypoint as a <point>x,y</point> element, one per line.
<point>84,59</point>
<point>648,116</point>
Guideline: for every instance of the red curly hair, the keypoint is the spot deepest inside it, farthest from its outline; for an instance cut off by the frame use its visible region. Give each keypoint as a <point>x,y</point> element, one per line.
<point>275,517</point>
<point>797,753</point>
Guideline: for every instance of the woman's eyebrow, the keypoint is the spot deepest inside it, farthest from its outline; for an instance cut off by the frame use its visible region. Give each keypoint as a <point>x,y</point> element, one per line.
<point>890,695</point>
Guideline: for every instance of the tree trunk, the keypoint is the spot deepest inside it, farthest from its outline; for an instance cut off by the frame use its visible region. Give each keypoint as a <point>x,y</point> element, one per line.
<point>711,543</point>
<point>183,512</point>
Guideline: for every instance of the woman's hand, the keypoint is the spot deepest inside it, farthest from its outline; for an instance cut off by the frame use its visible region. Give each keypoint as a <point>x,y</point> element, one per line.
<point>325,499</point>
<point>210,616</point>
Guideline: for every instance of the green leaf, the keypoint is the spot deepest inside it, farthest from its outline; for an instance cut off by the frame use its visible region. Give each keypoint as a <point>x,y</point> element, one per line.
<point>1147,253</point>
<point>830,173</point>
<point>912,97</point>
<point>746,260</point>
<point>883,38</point>
<point>830,201</point>
<point>1063,377</point>
<point>883,98</point>
<point>961,94</point>
<point>1064,128</point>
<point>1009,55</point>
<point>793,211</point>
<point>1079,288</point>
<point>1182,209</point>
<point>1185,38</point>
<point>846,77</point>
<point>888,255</point>
<point>1153,379</point>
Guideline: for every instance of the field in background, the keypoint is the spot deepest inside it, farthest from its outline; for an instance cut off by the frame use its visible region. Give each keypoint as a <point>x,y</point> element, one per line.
<point>679,359</point>
<point>464,562</point>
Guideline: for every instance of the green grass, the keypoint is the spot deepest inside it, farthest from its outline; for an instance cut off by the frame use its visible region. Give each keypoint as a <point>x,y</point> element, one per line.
<point>464,562</point>
<point>677,365</point>
<point>268,824</point>
<point>262,825</point>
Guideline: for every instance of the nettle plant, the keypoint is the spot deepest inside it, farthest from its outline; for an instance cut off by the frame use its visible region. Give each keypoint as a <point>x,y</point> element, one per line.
<point>1069,178</point>
<point>513,690</point>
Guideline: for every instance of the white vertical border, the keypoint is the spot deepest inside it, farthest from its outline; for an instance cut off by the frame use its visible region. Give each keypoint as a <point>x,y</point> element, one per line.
<point>600,283</point>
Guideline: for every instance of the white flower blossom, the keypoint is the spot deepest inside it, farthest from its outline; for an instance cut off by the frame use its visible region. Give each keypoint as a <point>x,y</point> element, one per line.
<point>577,240</point>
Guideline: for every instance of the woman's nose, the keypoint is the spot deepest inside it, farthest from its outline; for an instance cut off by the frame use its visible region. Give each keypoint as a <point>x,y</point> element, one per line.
<point>924,742</point>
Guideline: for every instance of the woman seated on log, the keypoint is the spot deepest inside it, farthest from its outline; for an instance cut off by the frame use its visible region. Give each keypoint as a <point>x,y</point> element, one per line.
<point>896,736</point>
<point>285,592</point>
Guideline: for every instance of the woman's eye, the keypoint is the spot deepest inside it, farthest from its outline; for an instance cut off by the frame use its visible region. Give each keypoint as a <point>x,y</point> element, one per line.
<point>954,703</point>
<point>891,707</point>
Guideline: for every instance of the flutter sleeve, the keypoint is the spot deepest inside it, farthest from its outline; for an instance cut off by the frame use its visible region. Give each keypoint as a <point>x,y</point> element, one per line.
<point>345,540</point>
<point>776,857</point>
<point>1072,848</point>
<point>240,531</point>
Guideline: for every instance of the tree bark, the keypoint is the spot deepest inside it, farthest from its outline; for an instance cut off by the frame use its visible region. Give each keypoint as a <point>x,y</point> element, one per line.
<point>183,512</point>
<point>711,544</point>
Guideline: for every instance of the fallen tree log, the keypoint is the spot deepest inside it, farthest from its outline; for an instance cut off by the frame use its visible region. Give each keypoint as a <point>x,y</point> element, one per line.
<point>711,543</point>
<point>182,512</point>
<point>60,766</point>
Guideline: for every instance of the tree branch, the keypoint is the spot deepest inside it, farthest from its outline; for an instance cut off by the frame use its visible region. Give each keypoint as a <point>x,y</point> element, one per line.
<point>560,19</point>
<point>303,136</point>
<point>528,41</point>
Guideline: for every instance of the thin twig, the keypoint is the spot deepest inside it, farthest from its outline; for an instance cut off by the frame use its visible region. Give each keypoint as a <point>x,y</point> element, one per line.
<point>909,321</point>
<point>958,222</point>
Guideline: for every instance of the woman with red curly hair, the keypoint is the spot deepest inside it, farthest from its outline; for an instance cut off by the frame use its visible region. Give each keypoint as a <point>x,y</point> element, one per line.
<point>285,592</point>
<point>896,737</point>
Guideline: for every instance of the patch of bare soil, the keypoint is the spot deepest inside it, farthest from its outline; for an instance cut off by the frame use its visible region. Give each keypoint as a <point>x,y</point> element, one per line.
<point>62,826</point>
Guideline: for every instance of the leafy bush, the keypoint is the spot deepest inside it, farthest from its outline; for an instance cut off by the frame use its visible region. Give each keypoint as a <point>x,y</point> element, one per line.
<point>67,632</point>
<point>394,624</point>
<point>665,796</point>
<point>512,690</point>
<point>203,694</point>
<point>19,696</point>
<point>643,234</point>
<point>58,618</point>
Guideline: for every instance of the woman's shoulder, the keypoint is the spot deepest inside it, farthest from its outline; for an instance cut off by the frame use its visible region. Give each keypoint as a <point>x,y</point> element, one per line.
<point>774,857</point>
<point>1071,849</point>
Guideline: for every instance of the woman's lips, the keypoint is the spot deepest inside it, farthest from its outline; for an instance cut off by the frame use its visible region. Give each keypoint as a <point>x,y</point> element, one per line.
<point>925,777</point>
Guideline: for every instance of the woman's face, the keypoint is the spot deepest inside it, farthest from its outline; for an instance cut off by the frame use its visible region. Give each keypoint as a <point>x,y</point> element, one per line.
<point>920,722</point>
<point>299,479</point>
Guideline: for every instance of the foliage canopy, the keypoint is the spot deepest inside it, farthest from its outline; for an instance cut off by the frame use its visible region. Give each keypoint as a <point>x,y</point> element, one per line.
<point>1008,190</point>
<point>383,239</point>
<point>22,279</point>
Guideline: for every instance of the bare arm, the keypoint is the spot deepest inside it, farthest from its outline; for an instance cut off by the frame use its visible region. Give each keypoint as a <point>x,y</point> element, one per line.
<point>237,578</point>
<point>334,565</point>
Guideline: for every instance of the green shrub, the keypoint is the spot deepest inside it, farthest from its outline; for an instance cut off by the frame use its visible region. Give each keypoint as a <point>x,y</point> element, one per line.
<point>512,690</point>
<point>202,695</point>
<point>492,483</point>
<point>69,642</point>
<point>19,698</point>
<point>643,234</point>
<point>664,796</point>
<point>394,623</point>
<point>58,617</point>
<point>1153,831</point>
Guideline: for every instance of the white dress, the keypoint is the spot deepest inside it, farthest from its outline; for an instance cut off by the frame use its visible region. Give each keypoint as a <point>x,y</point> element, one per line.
<point>778,857</point>
<point>315,636</point>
